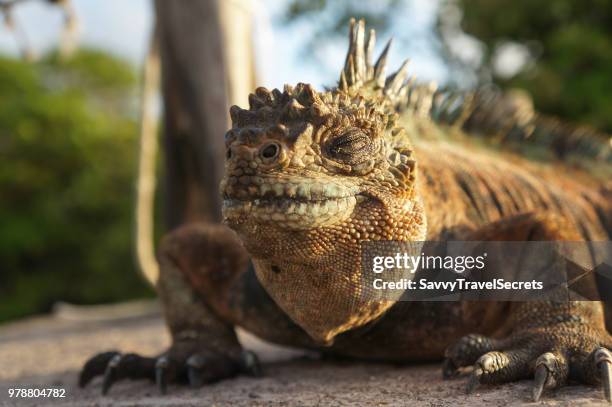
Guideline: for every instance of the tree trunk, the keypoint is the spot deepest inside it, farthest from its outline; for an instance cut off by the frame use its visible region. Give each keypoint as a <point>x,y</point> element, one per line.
<point>197,87</point>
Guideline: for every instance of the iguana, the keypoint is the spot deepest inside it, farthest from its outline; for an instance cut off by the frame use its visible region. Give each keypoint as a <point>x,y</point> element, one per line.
<point>310,176</point>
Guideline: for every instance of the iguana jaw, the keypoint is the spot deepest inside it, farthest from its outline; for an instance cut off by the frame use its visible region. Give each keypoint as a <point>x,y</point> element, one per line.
<point>290,203</point>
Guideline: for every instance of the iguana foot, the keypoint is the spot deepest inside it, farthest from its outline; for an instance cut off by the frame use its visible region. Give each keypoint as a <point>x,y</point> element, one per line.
<point>198,264</point>
<point>182,363</point>
<point>553,355</point>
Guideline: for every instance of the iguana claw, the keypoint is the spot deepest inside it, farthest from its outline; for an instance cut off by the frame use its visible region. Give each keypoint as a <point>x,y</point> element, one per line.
<point>449,369</point>
<point>541,377</point>
<point>95,366</point>
<point>195,364</point>
<point>606,373</point>
<point>551,371</point>
<point>250,364</point>
<point>110,374</point>
<point>474,380</point>
<point>161,374</point>
<point>603,360</point>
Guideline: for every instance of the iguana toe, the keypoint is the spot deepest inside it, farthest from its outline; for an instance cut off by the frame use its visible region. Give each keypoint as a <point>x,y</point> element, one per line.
<point>552,359</point>
<point>193,367</point>
<point>465,352</point>
<point>95,366</point>
<point>205,368</point>
<point>116,366</point>
<point>499,367</point>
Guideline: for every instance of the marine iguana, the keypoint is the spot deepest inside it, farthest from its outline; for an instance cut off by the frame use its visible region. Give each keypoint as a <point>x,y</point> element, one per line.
<point>312,175</point>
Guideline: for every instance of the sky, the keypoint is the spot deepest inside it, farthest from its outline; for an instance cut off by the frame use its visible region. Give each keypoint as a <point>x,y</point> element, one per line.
<point>119,26</point>
<point>123,28</point>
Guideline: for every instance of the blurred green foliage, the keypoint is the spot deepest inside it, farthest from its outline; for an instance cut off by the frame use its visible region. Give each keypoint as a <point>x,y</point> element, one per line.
<point>570,43</point>
<point>68,134</point>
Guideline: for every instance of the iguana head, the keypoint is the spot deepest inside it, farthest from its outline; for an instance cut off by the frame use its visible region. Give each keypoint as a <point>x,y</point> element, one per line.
<point>311,175</point>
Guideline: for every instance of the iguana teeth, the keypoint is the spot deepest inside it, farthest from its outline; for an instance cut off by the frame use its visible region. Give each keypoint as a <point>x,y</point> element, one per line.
<point>317,190</point>
<point>291,214</point>
<point>278,189</point>
<point>323,208</point>
<point>291,190</point>
<point>302,208</point>
<point>314,209</point>
<point>332,190</point>
<point>303,191</point>
<point>265,188</point>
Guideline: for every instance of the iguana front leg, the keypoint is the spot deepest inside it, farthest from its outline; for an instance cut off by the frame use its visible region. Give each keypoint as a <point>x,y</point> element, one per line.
<point>195,261</point>
<point>552,342</point>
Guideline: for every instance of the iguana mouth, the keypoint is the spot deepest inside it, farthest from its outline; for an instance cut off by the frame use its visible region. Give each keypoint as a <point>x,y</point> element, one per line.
<point>293,204</point>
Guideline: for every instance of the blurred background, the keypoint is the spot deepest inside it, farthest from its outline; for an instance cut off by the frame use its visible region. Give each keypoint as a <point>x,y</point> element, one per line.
<point>112,113</point>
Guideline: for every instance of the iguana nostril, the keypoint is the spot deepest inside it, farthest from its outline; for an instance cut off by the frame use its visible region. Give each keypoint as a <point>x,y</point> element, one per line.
<point>228,154</point>
<point>269,151</point>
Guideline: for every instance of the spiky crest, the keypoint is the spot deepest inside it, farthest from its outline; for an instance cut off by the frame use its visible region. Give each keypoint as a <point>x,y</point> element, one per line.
<point>360,75</point>
<point>482,111</point>
<point>511,118</point>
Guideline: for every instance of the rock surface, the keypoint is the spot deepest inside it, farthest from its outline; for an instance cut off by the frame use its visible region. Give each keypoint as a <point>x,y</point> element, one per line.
<point>48,352</point>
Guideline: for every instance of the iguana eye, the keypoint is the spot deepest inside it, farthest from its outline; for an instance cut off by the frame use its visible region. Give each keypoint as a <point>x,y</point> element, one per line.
<point>352,147</point>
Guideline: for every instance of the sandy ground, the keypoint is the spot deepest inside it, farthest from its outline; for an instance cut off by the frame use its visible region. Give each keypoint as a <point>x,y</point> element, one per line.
<point>48,352</point>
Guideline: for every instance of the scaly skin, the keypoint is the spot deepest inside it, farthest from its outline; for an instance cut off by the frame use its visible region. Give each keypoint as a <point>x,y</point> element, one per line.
<point>312,175</point>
